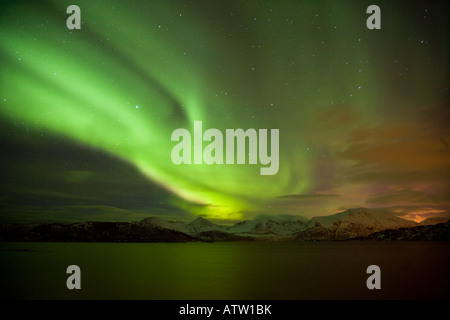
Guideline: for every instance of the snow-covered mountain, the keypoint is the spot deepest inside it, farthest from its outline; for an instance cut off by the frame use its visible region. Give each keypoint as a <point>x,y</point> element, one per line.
<point>203,225</point>
<point>352,223</point>
<point>260,226</point>
<point>348,224</point>
<point>378,218</point>
<point>170,225</point>
<point>267,227</point>
<point>197,226</point>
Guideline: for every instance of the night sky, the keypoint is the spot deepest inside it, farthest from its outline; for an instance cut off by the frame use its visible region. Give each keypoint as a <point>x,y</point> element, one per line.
<point>86,115</point>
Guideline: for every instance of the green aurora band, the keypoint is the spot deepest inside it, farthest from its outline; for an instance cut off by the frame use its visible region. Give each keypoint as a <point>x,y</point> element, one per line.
<point>136,71</point>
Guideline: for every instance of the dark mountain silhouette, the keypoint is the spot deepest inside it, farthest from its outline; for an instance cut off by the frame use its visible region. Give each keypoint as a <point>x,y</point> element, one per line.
<point>361,223</point>
<point>437,232</point>
<point>92,232</point>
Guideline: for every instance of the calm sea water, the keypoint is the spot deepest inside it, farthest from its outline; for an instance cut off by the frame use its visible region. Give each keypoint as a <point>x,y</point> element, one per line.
<point>236,270</point>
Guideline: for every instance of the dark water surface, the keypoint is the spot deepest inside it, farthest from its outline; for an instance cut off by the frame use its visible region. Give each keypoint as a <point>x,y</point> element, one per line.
<point>227,270</point>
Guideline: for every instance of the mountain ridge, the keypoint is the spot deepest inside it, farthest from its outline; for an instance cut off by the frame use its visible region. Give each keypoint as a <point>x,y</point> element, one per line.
<point>357,223</point>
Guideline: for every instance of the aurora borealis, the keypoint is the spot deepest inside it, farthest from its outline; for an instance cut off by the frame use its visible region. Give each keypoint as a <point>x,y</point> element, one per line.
<point>87,115</point>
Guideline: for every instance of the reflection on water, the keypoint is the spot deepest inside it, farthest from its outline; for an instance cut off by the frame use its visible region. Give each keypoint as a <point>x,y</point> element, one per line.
<point>236,270</point>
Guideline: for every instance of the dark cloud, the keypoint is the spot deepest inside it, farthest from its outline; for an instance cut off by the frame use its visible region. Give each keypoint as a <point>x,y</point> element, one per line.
<point>59,180</point>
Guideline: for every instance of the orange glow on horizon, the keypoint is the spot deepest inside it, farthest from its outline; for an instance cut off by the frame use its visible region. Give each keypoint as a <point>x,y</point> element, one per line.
<point>420,215</point>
